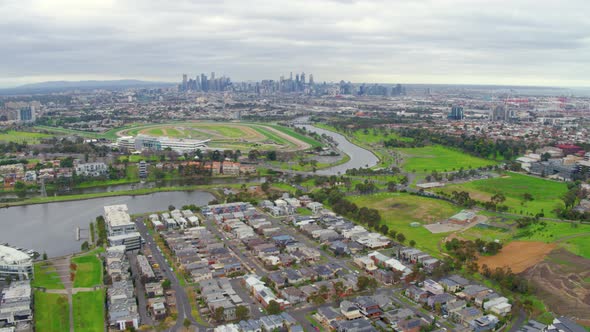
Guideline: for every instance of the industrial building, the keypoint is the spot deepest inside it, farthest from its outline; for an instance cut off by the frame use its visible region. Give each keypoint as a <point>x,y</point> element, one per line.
<point>15,264</point>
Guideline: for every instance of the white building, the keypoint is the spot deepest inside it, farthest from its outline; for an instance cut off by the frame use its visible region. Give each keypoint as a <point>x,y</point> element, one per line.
<point>121,229</point>
<point>15,264</point>
<point>92,169</point>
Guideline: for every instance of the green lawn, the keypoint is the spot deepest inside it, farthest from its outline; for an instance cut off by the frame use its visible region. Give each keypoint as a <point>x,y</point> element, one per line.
<point>88,270</point>
<point>22,136</point>
<point>295,134</point>
<point>546,194</point>
<point>304,212</point>
<point>398,210</point>
<point>378,136</point>
<point>579,246</point>
<point>155,132</point>
<point>46,276</point>
<point>439,158</point>
<point>89,311</point>
<point>51,312</point>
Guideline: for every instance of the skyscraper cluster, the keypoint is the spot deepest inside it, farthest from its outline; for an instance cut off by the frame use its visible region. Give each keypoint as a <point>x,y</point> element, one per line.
<point>295,85</point>
<point>203,83</point>
<point>347,88</point>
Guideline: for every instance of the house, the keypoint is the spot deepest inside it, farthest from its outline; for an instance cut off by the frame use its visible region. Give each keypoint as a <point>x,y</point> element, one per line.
<point>393,316</point>
<point>501,309</point>
<point>433,287</point>
<point>485,323</point>
<point>449,285</point>
<point>327,315</point>
<point>409,325</point>
<point>564,324</point>
<point>454,306</point>
<point>533,326</point>
<point>357,325</point>
<point>157,307</point>
<point>416,294</point>
<point>440,299</point>
<point>384,276</point>
<point>349,310</point>
<point>470,292</point>
<point>365,263</point>
<point>368,306</point>
<point>466,315</point>
<point>293,295</point>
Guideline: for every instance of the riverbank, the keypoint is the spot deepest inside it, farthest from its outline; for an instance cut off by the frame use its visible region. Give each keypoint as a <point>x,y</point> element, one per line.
<point>136,192</point>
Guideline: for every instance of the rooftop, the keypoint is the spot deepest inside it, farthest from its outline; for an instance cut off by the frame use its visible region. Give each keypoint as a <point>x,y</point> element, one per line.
<point>11,256</point>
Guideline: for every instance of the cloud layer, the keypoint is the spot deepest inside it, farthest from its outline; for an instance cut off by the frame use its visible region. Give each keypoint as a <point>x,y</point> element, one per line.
<point>410,41</point>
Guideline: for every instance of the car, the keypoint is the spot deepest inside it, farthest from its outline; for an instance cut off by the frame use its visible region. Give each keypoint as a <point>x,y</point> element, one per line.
<point>260,309</point>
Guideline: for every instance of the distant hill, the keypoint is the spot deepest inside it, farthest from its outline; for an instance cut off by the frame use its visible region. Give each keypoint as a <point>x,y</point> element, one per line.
<point>57,86</point>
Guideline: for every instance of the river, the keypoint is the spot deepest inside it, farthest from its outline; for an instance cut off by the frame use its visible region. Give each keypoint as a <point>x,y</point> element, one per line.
<point>51,227</point>
<point>359,157</point>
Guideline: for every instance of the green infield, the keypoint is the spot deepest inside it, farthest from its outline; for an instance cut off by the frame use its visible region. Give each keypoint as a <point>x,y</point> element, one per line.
<point>88,270</point>
<point>46,276</point>
<point>546,194</point>
<point>399,210</point>
<point>51,312</point>
<point>439,158</point>
<point>89,311</point>
<point>22,137</point>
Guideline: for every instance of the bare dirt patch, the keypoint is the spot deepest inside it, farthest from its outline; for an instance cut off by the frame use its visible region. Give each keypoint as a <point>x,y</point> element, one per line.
<point>562,281</point>
<point>518,255</point>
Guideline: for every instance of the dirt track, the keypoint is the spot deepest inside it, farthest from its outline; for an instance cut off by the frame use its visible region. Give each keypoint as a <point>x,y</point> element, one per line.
<point>562,281</point>
<point>518,255</point>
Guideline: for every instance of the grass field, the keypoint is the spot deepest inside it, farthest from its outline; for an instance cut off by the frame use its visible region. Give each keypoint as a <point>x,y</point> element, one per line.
<point>89,311</point>
<point>546,194</point>
<point>51,312</point>
<point>578,245</point>
<point>88,270</point>
<point>46,276</point>
<point>439,158</point>
<point>22,137</point>
<point>398,210</point>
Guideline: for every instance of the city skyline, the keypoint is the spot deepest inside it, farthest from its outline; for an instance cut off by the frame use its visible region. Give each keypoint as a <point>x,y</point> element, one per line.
<point>538,43</point>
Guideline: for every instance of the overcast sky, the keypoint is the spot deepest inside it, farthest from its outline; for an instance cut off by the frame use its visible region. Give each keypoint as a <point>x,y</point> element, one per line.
<point>516,42</point>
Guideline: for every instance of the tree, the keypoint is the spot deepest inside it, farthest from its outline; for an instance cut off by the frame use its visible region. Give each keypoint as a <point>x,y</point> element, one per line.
<point>271,155</point>
<point>412,243</point>
<point>362,283</point>
<point>166,284</point>
<point>242,312</point>
<point>273,308</point>
<point>44,256</point>
<point>20,186</point>
<point>85,246</point>
<point>171,207</point>
<point>186,323</point>
<point>401,237</point>
<point>219,313</point>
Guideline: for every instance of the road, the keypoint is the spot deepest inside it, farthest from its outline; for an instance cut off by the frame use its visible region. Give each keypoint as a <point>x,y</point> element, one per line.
<point>183,304</point>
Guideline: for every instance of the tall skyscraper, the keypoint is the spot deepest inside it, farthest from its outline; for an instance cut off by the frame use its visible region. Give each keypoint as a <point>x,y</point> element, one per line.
<point>184,81</point>
<point>456,113</point>
<point>26,114</point>
<point>302,78</point>
<point>212,75</point>
<point>310,79</point>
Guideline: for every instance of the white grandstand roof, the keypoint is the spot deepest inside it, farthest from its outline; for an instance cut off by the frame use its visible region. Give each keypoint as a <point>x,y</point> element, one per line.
<point>116,215</point>
<point>11,256</point>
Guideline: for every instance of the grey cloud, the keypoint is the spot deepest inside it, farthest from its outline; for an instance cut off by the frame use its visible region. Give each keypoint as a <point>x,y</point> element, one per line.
<point>453,41</point>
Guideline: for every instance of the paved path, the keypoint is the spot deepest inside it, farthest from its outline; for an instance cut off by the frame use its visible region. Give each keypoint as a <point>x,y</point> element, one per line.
<point>62,266</point>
